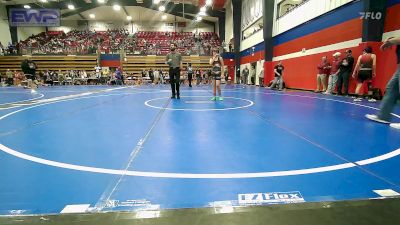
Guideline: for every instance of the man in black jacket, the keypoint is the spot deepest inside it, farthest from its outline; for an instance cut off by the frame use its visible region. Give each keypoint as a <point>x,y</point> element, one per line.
<point>29,67</point>
<point>346,66</point>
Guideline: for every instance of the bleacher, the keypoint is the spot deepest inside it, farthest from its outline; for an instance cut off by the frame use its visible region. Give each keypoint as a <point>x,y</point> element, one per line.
<point>51,62</point>
<point>135,64</point>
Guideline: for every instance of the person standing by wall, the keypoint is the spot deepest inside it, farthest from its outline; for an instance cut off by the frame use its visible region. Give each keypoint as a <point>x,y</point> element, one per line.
<point>190,74</point>
<point>335,70</point>
<point>29,67</point>
<point>346,66</point>
<point>261,78</point>
<point>278,80</point>
<point>245,75</point>
<point>323,71</point>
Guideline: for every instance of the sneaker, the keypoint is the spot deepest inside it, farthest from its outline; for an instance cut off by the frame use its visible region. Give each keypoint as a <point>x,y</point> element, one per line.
<point>213,98</point>
<point>179,97</point>
<point>376,119</point>
<point>173,97</point>
<point>220,98</point>
<point>371,100</point>
<point>357,100</point>
<point>395,125</point>
<point>33,91</point>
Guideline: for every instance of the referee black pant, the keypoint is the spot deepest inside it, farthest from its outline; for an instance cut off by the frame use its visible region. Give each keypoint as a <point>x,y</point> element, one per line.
<point>174,78</point>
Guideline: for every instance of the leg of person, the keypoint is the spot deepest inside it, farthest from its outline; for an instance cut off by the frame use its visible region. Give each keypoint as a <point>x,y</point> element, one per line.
<point>330,84</point>
<point>214,84</point>
<point>177,80</point>
<point>346,77</point>
<point>218,84</point>
<point>172,81</point>
<point>389,101</point>
<point>323,81</point>
<point>357,92</point>
<point>339,83</point>
<point>319,77</point>
<point>190,80</point>
<point>280,83</point>
<point>274,82</point>
<point>334,82</point>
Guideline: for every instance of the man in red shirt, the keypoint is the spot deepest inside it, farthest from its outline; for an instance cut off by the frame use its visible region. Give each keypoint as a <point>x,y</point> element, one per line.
<point>323,71</point>
<point>335,69</point>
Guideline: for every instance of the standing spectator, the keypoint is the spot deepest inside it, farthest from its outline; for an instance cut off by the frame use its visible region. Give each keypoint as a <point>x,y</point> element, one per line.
<point>156,76</point>
<point>238,77</point>
<point>174,61</point>
<point>118,76</point>
<point>245,75</point>
<point>29,67</point>
<point>365,70</point>
<point>278,80</point>
<point>323,71</point>
<point>392,94</point>
<point>151,75</point>
<point>335,70</point>
<point>190,74</point>
<point>198,77</point>
<point>253,75</point>
<point>346,67</point>
<point>261,78</point>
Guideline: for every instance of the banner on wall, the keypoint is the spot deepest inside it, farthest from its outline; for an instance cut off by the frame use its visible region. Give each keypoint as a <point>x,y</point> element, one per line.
<point>34,17</point>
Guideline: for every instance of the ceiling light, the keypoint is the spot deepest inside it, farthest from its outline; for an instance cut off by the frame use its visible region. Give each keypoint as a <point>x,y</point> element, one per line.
<point>129,18</point>
<point>27,6</point>
<point>199,18</point>
<point>156,1</point>
<point>71,7</point>
<point>203,9</point>
<point>164,17</point>
<point>161,8</point>
<point>202,13</point>
<point>92,15</point>
<point>44,1</point>
<point>116,7</point>
<point>208,2</point>
<point>101,1</point>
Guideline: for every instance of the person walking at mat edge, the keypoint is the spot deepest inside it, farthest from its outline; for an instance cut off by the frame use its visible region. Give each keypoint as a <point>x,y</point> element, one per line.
<point>174,60</point>
<point>392,89</point>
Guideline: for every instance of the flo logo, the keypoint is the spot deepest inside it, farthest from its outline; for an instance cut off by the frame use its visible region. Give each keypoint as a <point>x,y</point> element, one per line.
<point>270,198</point>
<point>371,15</point>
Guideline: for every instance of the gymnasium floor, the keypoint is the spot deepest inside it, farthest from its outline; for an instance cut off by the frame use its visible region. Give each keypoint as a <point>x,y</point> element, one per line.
<point>107,148</point>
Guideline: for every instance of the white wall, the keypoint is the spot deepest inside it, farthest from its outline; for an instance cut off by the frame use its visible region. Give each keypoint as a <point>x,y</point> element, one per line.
<point>66,26</point>
<point>304,13</point>
<point>228,21</point>
<point>252,40</point>
<point>25,32</point>
<point>5,36</point>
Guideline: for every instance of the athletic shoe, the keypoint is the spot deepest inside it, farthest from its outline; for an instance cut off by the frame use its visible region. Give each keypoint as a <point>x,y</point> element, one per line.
<point>173,97</point>
<point>33,91</point>
<point>395,125</point>
<point>179,97</point>
<point>371,100</point>
<point>357,100</point>
<point>220,98</point>
<point>213,98</point>
<point>376,119</point>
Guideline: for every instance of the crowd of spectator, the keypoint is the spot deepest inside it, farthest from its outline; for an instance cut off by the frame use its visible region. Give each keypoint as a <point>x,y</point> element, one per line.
<point>111,41</point>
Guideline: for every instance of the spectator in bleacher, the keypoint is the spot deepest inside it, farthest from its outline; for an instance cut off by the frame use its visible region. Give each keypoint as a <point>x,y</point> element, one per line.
<point>118,77</point>
<point>174,61</point>
<point>365,70</point>
<point>346,66</point>
<point>323,70</point>
<point>278,80</point>
<point>335,70</point>
<point>10,77</point>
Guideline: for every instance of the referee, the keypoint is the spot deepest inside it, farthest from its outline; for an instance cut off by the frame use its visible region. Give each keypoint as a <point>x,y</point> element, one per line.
<point>174,61</point>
